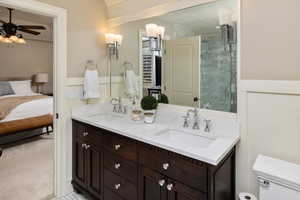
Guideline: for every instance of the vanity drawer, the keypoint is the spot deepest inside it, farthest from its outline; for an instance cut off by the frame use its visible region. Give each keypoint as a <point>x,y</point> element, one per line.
<point>121,146</point>
<point>188,172</point>
<point>120,186</point>
<point>153,157</point>
<point>109,195</point>
<point>174,166</point>
<point>79,130</point>
<point>121,167</point>
<point>87,133</point>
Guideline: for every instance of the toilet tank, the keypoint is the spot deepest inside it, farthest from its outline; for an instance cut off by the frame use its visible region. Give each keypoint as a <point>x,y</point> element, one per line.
<point>278,180</point>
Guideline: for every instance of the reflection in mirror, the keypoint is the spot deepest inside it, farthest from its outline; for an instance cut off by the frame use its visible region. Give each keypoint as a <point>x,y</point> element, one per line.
<point>186,54</point>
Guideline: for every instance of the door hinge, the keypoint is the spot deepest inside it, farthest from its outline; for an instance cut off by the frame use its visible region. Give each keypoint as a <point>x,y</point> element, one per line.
<point>56,115</point>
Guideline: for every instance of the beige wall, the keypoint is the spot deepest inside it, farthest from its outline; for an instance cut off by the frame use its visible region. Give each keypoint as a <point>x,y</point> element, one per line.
<point>86,25</point>
<point>26,60</point>
<point>270,40</point>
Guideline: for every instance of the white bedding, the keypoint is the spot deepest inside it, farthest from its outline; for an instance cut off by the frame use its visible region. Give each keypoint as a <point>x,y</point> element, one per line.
<point>33,108</point>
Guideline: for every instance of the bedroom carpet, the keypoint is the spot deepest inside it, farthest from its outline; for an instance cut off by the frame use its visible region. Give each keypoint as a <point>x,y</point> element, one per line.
<point>26,170</point>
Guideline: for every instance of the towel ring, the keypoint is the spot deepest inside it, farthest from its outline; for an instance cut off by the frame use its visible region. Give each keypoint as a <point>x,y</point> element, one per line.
<point>90,65</point>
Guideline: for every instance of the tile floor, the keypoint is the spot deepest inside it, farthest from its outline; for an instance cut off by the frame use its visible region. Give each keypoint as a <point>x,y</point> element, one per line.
<point>73,196</point>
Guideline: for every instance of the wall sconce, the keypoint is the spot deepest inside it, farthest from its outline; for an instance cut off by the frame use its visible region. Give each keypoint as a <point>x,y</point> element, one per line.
<point>113,42</point>
<point>227,27</point>
<point>156,34</point>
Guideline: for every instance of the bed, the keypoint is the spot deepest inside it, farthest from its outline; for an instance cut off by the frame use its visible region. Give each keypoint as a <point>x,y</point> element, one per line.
<point>24,113</point>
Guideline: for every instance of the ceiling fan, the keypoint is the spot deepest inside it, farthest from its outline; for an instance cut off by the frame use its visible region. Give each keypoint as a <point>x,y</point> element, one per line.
<point>9,30</point>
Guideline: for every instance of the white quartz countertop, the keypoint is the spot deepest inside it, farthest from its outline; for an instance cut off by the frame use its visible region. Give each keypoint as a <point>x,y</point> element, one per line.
<point>209,147</point>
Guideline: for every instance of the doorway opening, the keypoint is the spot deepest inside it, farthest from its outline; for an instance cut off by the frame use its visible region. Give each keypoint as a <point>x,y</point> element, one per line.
<point>58,17</point>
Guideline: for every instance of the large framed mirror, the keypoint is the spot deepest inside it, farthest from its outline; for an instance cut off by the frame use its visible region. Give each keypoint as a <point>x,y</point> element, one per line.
<point>189,55</point>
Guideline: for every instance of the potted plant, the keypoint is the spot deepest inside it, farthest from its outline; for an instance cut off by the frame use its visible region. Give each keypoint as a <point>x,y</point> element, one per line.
<point>149,105</point>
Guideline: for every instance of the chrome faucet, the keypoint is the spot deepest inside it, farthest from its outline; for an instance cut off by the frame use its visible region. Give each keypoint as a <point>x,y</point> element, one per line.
<point>118,107</point>
<point>207,123</point>
<point>195,111</point>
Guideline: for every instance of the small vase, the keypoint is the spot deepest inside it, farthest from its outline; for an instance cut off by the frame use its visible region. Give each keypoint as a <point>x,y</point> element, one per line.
<point>149,116</point>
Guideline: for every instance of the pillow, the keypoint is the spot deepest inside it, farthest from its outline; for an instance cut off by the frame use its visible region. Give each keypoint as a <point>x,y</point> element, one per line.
<point>21,87</point>
<point>5,89</point>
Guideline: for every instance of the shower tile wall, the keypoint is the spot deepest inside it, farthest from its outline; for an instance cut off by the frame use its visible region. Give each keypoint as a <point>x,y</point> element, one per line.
<point>218,77</point>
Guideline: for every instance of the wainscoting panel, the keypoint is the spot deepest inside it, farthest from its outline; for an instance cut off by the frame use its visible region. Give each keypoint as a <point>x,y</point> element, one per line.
<point>270,126</point>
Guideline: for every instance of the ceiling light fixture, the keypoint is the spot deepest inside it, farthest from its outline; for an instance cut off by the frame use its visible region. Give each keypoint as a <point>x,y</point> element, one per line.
<point>12,38</point>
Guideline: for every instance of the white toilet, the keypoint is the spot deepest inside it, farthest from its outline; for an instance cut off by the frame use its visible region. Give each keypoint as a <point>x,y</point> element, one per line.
<point>278,180</point>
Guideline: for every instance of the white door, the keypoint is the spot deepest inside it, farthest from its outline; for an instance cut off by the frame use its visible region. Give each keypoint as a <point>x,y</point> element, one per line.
<point>181,75</point>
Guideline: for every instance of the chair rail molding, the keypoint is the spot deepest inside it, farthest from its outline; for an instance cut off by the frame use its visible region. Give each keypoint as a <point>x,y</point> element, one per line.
<point>77,81</point>
<point>270,86</point>
<point>161,9</point>
<point>249,89</point>
<point>59,16</point>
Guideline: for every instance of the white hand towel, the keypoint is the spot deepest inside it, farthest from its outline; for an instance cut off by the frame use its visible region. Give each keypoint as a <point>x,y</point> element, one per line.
<point>91,88</point>
<point>131,83</point>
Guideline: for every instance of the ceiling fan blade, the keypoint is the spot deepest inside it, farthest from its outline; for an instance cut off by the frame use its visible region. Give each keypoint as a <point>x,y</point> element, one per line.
<point>29,31</point>
<point>32,27</point>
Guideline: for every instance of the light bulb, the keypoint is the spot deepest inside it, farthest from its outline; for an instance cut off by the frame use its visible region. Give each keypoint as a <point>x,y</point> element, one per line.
<point>21,41</point>
<point>13,38</point>
<point>6,40</point>
<point>1,38</point>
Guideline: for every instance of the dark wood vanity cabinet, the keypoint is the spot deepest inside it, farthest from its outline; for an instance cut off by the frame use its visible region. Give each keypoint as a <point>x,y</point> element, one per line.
<point>107,166</point>
<point>87,159</point>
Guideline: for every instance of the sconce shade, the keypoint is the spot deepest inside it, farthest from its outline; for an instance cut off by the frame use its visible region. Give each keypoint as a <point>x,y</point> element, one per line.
<point>225,16</point>
<point>1,38</point>
<point>151,30</point>
<point>118,39</point>
<point>161,31</point>
<point>41,78</point>
<point>111,38</point>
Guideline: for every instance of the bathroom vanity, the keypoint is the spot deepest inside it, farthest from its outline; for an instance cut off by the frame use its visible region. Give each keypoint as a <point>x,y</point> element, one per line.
<point>117,159</point>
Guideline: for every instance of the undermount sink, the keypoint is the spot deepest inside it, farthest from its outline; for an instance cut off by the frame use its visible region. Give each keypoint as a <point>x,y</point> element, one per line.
<point>184,139</point>
<point>106,116</point>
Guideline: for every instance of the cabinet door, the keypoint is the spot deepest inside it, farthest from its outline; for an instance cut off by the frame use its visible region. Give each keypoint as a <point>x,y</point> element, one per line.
<point>79,162</point>
<point>178,191</point>
<point>94,169</point>
<point>152,185</point>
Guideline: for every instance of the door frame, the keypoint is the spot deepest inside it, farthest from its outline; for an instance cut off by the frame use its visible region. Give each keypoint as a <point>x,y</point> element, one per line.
<point>59,16</point>
<point>170,71</point>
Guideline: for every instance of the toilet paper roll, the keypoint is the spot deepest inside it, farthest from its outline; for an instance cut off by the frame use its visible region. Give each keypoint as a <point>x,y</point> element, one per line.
<point>247,196</point>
